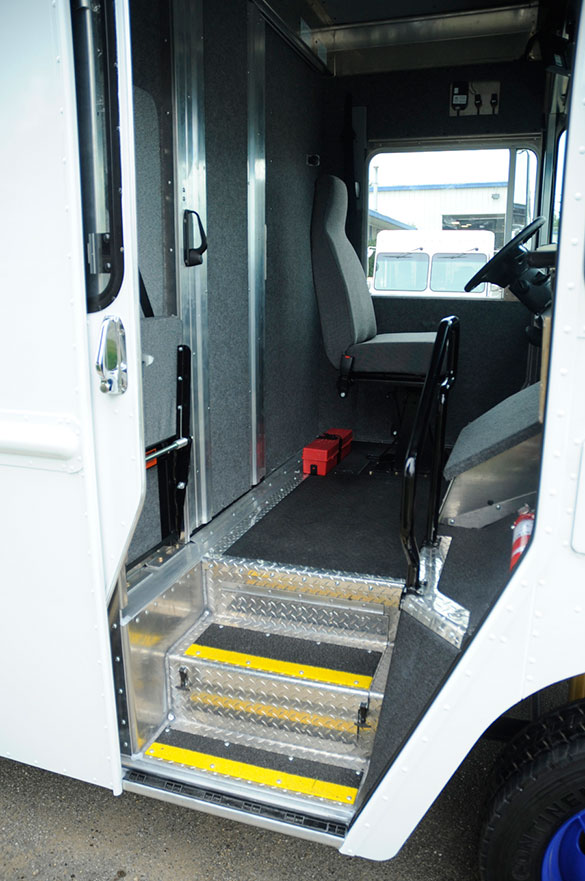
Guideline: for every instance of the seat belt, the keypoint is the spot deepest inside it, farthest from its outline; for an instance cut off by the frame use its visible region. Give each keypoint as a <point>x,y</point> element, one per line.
<point>344,378</point>
<point>145,303</point>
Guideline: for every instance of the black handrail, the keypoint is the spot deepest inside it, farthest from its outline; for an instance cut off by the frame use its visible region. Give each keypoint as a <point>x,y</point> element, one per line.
<point>440,377</point>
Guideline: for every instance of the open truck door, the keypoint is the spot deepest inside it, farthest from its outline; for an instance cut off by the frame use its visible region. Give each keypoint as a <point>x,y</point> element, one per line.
<point>71,445</point>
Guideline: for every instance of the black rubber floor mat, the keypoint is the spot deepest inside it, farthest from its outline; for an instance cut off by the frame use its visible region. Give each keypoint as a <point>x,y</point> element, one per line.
<point>344,522</point>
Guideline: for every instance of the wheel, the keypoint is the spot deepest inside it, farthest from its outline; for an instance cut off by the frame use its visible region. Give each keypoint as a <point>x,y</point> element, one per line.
<point>534,829</point>
<point>501,269</point>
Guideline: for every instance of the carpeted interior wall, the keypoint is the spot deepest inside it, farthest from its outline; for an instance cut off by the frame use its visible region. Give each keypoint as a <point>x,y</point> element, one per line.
<point>293,130</point>
<point>225,31</point>
<point>410,104</point>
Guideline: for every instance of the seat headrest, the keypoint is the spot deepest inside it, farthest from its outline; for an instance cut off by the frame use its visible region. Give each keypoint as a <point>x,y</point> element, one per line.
<point>331,200</point>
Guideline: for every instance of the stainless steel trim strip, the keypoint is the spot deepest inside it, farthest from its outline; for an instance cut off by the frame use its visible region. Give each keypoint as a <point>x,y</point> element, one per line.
<point>190,193</point>
<point>521,18</point>
<point>232,814</point>
<point>529,141</point>
<point>256,235</point>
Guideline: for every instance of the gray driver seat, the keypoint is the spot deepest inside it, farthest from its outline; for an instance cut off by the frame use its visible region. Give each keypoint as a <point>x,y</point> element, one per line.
<point>346,311</point>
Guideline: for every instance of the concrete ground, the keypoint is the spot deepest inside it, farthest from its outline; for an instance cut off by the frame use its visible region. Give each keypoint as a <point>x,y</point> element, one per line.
<point>56,829</point>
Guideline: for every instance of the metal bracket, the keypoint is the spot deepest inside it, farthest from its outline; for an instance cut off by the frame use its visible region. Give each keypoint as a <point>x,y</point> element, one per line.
<point>428,605</point>
<point>362,716</point>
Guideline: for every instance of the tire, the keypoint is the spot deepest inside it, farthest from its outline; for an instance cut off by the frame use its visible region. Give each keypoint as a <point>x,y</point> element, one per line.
<point>535,818</point>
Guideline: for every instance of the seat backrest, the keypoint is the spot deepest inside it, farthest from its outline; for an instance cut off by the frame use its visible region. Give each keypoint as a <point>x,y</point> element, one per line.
<point>345,303</point>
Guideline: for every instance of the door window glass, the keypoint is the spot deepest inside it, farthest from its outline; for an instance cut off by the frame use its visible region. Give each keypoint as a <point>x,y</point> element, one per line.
<point>94,43</point>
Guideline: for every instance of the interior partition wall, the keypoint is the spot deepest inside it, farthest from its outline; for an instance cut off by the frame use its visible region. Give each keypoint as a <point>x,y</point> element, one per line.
<point>294,138</point>
<point>226,117</point>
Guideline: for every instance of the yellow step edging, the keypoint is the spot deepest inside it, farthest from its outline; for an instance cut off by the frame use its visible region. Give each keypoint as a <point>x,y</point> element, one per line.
<point>282,668</point>
<point>253,773</point>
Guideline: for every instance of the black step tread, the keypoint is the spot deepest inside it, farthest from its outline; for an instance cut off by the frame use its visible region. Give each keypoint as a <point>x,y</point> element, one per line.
<point>261,758</point>
<point>292,649</point>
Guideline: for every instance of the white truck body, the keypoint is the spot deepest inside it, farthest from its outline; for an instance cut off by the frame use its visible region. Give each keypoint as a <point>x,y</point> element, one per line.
<point>83,673</point>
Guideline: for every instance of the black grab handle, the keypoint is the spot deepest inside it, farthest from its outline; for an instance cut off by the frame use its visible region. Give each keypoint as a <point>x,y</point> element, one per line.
<point>433,400</point>
<point>193,256</point>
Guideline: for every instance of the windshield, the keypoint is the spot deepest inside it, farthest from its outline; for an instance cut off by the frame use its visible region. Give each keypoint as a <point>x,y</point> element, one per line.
<point>402,272</point>
<point>451,272</point>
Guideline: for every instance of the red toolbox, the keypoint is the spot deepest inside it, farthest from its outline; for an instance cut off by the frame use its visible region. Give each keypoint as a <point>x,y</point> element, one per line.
<point>324,453</point>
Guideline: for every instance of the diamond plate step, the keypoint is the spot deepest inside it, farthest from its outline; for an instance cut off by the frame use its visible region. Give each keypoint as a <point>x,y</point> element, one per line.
<point>286,694</point>
<point>338,607</point>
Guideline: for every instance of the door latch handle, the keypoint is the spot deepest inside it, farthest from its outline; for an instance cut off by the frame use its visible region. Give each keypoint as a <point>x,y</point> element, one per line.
<point>111,362</point>
<point>193,256</point>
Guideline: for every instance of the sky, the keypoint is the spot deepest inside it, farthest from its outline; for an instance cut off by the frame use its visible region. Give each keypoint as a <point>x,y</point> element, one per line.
<point>433,167</point>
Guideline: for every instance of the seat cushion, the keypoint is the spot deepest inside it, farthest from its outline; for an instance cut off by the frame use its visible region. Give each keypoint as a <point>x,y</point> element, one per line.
<point>394,353</point>
<point>509,423</point>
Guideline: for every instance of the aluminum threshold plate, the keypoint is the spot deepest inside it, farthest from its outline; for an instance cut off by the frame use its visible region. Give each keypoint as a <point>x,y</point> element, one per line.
<point>198,796</point>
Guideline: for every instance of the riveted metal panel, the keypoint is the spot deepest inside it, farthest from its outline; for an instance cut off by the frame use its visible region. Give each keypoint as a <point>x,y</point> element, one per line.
<point>305,581</point>
<point>272,713</point>
<point>267,611</point>
<point>147,637</point>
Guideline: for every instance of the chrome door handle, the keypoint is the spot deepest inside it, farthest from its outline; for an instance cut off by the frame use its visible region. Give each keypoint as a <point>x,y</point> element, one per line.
<point>111,363</point>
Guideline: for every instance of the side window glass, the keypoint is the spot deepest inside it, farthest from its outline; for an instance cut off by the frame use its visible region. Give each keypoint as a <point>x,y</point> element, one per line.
<point>559,175</point>
<point>97,111</point>
<point>455,207</point>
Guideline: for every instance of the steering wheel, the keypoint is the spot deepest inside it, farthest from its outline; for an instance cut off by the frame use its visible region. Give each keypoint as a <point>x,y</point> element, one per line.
<point>509,263</point>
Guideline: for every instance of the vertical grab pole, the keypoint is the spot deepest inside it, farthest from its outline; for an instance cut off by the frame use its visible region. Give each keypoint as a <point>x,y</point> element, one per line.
<point>452,354</point>
<point>434,395</point>
<point>437,467</point>
<point>406,522</point>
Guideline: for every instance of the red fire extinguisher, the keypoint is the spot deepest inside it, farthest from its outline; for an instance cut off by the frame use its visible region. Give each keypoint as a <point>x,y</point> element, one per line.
<point>522,530</point>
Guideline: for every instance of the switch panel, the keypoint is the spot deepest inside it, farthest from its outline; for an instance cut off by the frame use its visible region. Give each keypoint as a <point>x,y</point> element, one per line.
<point>474,98</point>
